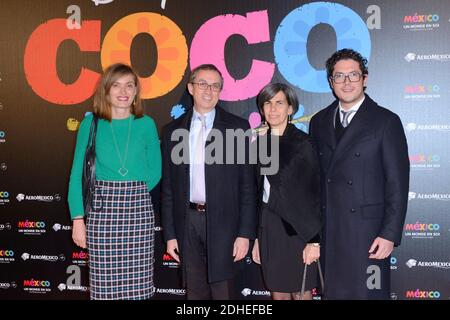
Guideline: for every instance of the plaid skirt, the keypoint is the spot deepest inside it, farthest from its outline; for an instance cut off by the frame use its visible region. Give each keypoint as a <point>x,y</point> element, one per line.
<point>120,240</point>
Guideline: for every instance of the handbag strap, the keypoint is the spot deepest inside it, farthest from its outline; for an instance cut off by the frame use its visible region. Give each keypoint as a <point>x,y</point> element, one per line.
<point>322,284</point>
<point>93,132</point>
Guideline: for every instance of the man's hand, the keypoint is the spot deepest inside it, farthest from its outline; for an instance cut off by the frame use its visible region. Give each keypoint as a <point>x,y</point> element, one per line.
<point>385,248</point>
<point>172,249</point>
<point>240,248</point>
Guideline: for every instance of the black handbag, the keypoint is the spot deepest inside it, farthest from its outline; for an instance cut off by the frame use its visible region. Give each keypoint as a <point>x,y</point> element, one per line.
<point>88,178</point>
<point>302,292</point>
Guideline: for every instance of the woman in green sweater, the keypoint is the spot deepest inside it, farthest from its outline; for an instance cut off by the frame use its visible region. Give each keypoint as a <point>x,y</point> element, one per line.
<point>119,229</point>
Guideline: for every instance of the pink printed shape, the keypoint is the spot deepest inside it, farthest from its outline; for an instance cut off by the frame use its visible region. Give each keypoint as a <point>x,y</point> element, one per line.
<point>254,120</point>
<point>208,46</point>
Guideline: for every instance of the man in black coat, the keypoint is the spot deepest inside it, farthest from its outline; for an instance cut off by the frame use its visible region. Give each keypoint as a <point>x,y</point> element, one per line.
<point>365,178</point>
<point>208,209</point>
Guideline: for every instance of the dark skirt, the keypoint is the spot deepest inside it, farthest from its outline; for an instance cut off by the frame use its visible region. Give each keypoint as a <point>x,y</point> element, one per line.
<point>120,240</point>
<point>282,257</point>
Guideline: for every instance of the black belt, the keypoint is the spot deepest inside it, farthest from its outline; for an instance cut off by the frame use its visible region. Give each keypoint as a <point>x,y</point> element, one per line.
<point>197,206</point>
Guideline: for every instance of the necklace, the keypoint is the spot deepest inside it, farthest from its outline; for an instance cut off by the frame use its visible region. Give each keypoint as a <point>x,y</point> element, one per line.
<point>123,170</point>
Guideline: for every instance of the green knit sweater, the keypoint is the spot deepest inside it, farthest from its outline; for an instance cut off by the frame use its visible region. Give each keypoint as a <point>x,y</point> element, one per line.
<point>143,160</point>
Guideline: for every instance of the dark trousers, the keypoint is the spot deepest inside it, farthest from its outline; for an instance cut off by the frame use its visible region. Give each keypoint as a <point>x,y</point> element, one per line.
<point>196,263</point>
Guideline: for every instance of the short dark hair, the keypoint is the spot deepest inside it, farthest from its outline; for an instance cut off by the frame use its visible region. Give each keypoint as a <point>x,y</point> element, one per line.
<point>346,54</point>
<point>205,67</point>
<point>270,90</point>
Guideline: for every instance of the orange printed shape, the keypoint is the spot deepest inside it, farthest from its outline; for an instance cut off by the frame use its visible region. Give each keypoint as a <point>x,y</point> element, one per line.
<point>40,63</point>
<point>171,48</point>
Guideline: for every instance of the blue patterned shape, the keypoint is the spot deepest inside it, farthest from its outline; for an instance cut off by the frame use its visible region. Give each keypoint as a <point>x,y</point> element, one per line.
<point>292,36</point>
<point>177,111</point>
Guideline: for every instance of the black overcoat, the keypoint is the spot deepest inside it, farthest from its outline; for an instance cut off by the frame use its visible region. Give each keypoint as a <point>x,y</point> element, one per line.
<point>365,180</point>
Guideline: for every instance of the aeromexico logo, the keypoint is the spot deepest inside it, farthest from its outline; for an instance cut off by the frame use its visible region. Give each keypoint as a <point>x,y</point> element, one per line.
<point>172,291</point>
<point>43,198</point>
<point>442,127</point>
<point>441,57</point>
<point>428,196</point>
<point>63,287</point>
<point>42,257</point>
<point>251,292</point>
<point>413,263</point>
<point>60,227</point>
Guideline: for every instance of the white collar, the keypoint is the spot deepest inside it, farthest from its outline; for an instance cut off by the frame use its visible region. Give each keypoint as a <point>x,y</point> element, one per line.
<point>355,107</point>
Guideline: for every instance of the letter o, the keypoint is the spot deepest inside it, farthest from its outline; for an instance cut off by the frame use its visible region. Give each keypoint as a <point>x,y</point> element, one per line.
<point>171,47</point>
<point>292,35</point>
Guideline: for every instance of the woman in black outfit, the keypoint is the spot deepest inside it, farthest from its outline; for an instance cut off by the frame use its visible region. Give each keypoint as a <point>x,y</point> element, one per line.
<point>289,211</point>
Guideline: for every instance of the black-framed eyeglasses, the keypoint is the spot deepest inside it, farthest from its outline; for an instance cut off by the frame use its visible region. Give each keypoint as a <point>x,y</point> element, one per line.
<point>339,77</point>
<point>204,86</point>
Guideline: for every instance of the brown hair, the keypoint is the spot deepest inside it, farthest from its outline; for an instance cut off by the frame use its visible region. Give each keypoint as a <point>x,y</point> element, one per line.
<point>102,104</point>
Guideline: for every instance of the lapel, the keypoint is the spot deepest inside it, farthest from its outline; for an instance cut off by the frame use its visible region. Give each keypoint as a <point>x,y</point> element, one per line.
<point>186,120</point>
<point>184,167</point>
<point>358,130</point>
<point>218,124</point>
<point>186,124</point>
<point>329,134</point>
<point>212,171</point>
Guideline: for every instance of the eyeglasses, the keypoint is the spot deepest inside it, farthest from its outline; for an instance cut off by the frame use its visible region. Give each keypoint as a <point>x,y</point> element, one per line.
<point>352,77</point>
<point>216,87</point>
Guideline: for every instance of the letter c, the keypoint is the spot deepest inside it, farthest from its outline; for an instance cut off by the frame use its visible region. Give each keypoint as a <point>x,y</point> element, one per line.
<point>208,47</point>
<point>40,63</point>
